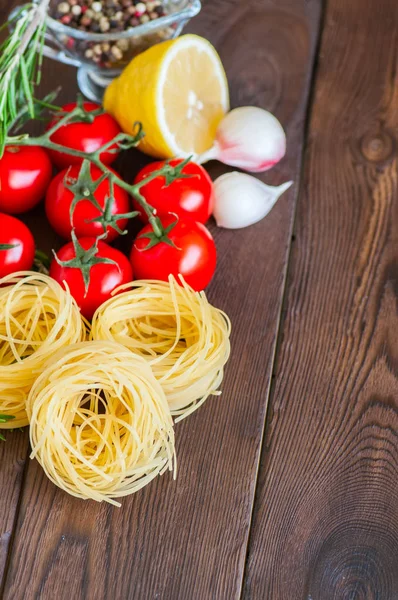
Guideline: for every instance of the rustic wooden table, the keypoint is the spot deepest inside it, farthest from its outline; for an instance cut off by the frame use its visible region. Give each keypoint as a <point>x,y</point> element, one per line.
<point>287,485</point>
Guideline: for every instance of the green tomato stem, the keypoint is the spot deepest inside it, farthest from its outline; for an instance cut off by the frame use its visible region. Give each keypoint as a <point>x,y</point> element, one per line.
<point>95,158</point>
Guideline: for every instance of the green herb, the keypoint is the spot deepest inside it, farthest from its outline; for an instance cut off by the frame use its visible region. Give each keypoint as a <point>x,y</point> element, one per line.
<point>40,107</point>
<point>20,65</point>
<point>5,419</point>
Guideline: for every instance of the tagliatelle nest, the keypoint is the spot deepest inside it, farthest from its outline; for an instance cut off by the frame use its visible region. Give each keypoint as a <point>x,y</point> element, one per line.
<point>184,339</point>
<point>100,425</point>
<point>37,318</point>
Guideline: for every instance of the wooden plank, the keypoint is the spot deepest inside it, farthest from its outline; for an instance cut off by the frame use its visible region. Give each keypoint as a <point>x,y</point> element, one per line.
<point>12,462</point>
<point>188,539</point>
<point>325,523</point>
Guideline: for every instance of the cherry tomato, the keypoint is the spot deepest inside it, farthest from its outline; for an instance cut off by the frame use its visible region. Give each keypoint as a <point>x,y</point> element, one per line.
<point>186,197</point>
<point>59,199</point>
<point>104,278</point>
<point>17,246</point>
<point>86,137</point>
<point>25,172</point>
<point>194,254</point>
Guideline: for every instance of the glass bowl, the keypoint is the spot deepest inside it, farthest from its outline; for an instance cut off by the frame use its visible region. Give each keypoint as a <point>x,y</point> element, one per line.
<point>100,57</point>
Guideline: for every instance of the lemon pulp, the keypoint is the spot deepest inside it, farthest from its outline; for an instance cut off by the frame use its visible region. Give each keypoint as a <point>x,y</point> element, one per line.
<point>178,90</point>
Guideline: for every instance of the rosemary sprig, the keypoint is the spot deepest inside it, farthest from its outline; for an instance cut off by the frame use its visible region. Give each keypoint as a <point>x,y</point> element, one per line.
<point>20,65</point>
<point>40,106</point>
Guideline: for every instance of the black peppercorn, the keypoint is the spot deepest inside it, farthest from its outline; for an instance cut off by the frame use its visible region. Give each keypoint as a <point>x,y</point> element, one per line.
<point>94,27</point>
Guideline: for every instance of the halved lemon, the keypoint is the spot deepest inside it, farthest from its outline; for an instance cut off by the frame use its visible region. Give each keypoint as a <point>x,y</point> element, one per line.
<point>178,90</point>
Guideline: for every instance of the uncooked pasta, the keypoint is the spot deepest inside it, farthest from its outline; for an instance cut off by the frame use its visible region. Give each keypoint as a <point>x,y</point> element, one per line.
<point>177,331</point>
<point>37,318</point>
<point>100,425</point>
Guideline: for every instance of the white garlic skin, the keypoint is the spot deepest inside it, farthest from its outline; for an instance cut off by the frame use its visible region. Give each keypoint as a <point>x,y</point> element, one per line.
<point>250,138</point>
<point>241,200</point>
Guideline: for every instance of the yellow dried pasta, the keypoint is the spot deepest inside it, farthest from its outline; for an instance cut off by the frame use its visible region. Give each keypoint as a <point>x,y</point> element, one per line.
<point>177,331</point>
<point>100,425</point>
<point>37,318</point>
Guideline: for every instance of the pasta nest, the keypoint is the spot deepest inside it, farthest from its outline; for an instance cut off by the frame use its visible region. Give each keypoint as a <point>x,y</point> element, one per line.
<point>37,318</point>
<point>100,425</point>
<point>177,331</point>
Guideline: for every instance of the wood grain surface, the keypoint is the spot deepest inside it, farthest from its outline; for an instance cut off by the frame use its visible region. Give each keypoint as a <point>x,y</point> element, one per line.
<point>188,539</point>
<point>12,466</point>
<point>325,524</point>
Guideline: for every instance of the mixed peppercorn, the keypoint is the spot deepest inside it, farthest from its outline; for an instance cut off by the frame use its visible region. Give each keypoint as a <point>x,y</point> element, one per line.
<point>109,16</point>
<point>102,16</point>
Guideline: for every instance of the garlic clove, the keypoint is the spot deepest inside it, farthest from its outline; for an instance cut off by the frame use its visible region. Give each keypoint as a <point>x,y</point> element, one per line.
<point>241,200</point>
<point>250,138</point>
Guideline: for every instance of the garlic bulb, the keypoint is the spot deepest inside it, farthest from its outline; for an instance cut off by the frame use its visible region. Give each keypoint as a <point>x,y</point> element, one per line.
<point>249,138</point>
<point>241,200</point>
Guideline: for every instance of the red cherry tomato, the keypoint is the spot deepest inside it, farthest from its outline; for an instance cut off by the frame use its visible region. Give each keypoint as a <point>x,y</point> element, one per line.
<point>25,172</point>
<point>59,199</point>
<point>86,137</point>
<point>104,278</point>
<point>187,197</point>
<point>17,246</point>
<point>194,254</point>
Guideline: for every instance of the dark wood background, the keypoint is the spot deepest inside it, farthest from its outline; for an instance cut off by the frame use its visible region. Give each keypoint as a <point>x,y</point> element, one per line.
<point>287,486</point>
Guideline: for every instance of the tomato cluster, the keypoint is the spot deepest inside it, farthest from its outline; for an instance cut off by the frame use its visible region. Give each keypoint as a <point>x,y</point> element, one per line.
<point>183,207</point>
